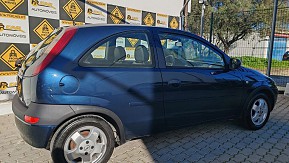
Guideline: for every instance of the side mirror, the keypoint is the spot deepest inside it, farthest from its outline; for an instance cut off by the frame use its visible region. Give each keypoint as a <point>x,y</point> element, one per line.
<point>18,62</point>
<point>235,63</point>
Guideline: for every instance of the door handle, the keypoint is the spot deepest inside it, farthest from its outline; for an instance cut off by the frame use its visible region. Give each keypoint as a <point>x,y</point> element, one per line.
<point>216,72</point>
<point>174,83</point>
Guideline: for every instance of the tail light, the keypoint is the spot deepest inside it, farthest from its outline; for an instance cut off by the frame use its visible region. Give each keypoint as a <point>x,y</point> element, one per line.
<point>31,120</point>
<point>55,48</point>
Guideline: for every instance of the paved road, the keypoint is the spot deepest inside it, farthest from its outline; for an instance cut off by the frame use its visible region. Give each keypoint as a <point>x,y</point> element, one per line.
<point>5,108</point>
<point>210,142</point>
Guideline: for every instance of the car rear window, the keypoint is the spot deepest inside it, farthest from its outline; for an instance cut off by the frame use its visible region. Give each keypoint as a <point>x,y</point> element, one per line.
<point>123,50</point>
<point>39,49</point>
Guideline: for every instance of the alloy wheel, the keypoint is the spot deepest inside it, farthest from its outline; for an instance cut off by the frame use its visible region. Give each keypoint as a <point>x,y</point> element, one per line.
<point>87,144</point>
<point>259,111</point>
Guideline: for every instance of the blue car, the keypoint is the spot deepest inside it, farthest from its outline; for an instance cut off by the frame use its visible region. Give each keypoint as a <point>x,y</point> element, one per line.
<point>84,90</point>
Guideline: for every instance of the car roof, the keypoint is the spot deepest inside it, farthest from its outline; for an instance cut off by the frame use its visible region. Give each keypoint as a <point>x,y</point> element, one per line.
<point>143,27</point>
<point>118,25</point>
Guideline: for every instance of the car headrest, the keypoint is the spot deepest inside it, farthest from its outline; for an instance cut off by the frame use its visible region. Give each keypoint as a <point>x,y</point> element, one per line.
<point>119,54</point>
<point>170,60</point>
<point>141,54</point>
<point>166,52</point>
<point>110,52</point>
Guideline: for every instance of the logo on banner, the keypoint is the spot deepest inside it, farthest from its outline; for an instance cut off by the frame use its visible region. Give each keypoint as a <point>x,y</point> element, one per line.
<point>129,17</point>
<point>149,20</point>
<point>10,55</point>
<point>72,9</point>
<point>10,28</point>
<point>94,12</point>
<point>130,52</point>
<point>3,86</point>
<point>43,29</point>
<point>42,3</point>
<point>116,15</point>
<point>174,23</point>
<point>161,22</point>
<point>162,19</point>
<point>133,16</point>
<point>11,5</point>
<point>44,7</point>
<point>132,41</point>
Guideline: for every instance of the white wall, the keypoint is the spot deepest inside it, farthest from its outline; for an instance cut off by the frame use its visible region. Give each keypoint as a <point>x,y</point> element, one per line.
<point>168,7</point>
<point>252,46</point>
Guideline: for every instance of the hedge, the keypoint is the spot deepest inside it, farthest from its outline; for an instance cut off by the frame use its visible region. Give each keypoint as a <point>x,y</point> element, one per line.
<point>255,62</point>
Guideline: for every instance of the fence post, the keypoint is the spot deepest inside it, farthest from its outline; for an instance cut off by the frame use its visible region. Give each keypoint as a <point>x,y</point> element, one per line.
<point>182,22</point>
<point>271,45</point>
<point>211,27</point>
<point>202,19</point>
<point>183,15</point>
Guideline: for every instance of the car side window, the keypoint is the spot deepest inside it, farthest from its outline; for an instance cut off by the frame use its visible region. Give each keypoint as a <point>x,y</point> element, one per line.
<point>123,50</point>
<point>181,51</point>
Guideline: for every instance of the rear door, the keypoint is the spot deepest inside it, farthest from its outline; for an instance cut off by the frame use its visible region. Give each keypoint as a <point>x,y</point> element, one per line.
<point>197,86</point>
<point>120,73</point>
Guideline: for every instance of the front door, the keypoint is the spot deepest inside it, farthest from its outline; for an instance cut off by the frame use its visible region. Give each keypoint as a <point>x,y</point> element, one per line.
<point>197,86</point>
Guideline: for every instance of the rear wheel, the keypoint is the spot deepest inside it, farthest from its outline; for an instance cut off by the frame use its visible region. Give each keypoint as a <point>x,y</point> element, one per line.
<point>83,139</point>
<point>257,112</point>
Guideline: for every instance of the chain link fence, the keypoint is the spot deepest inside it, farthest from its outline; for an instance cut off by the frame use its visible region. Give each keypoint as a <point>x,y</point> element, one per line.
<point>253,48</point>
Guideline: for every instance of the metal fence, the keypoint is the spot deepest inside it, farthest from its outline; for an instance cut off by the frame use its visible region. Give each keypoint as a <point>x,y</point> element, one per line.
<point>253,49</point>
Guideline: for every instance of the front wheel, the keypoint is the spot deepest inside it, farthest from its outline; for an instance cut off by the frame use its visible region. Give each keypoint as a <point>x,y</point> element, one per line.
<point>83,139</point>
<point>257,112</point>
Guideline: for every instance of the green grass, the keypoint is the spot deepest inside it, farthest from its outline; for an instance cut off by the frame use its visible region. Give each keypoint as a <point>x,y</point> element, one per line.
<point>259,63</point>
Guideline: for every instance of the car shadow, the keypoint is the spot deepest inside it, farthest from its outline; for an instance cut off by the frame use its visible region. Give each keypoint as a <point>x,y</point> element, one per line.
<point>221,141</point>
<point>186,144</point>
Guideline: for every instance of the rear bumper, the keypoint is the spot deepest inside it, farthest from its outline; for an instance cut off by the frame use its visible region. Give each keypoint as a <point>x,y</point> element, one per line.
<point>36,136</point>
<point>39,134</point>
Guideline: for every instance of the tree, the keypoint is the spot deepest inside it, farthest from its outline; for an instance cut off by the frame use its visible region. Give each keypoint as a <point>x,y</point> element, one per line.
<point>234,19</point>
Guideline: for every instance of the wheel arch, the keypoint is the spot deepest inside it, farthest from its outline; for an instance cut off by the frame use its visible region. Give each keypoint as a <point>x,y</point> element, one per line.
<point>267,91</point>
<point>110,117</point>
<point>246,111</point>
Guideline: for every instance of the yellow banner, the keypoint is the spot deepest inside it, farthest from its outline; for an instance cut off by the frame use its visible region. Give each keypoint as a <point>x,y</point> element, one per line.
<point>14,16</point>
<point>8,73</point>
<point>133,10</point>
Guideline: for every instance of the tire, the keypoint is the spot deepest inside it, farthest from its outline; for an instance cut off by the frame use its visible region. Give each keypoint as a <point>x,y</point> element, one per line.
<point>255,114</point>
<point>83,136</point>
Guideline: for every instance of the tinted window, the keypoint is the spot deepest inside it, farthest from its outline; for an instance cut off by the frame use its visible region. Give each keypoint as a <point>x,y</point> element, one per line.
<point>124,50</point>
<point>182,51</point>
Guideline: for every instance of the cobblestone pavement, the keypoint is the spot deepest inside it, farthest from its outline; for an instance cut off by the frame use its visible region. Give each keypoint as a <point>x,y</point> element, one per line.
<point>211,142</point>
